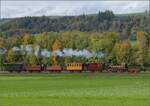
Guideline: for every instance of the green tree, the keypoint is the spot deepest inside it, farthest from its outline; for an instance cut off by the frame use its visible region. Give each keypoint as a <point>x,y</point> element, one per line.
<point>124,53</point>
<point>44,60</point>
<point>121,53</point>
<point>44,40</point>
<point>2,42</point>
<point>10,57</point>
<point>27,39</point>
<point>104,42</point>
<point>32,58</point>
<point>1,61</point>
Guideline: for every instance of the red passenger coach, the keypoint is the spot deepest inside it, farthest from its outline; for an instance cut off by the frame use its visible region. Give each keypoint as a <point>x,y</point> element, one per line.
<point>95,67</point>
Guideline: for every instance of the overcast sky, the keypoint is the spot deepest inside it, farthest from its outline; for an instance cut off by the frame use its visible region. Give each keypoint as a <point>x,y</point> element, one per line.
<point>11,9</point>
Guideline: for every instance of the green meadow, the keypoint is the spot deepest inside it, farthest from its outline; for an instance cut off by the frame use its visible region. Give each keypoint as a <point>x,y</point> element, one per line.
<point>85,89</point>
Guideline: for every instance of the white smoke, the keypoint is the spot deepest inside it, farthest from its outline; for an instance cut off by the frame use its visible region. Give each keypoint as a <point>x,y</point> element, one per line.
<point>76,52</point>
<point>62,53</point>
<point>26,48</point>
<point>45,53</point>
<point>2,51</point>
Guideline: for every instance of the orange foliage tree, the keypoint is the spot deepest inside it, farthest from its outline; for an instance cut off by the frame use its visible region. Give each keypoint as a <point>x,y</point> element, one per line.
<point>121,52</point>
<point>56,45</point>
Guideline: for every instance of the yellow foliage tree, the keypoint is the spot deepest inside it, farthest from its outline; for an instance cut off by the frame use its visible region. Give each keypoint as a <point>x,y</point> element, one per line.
<point>56,45</point>
<point>27,39</point>
<point>10,57</point>
<point>122,52</point>
<point>143,45</point>
<point>142,40</point>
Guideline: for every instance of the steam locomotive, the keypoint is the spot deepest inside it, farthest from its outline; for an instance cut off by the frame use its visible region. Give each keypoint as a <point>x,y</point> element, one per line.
<point>70,67</point>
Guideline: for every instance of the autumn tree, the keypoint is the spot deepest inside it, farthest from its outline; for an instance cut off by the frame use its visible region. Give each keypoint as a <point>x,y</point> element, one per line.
<point>56,45</point>
<point>27,39</point>
<point>67,39</point>
<point>121,53</point>
<point>124,53</point>
<point>94,42</point>
<point>104,42</point>
<point>45,40</point>
<point>143,46</point>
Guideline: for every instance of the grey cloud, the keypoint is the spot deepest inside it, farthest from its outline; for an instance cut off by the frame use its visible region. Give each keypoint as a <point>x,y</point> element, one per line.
<point>39,8</point>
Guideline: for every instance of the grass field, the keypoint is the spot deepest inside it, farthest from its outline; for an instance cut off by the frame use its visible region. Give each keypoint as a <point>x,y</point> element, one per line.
<point>75,89</point>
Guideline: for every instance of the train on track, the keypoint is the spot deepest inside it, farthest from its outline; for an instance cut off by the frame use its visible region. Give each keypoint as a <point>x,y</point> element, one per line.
<point>70,67</point>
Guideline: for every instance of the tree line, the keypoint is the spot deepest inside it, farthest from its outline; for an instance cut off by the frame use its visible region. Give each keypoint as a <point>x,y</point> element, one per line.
<point>126,25</point>
<point>116,50</point>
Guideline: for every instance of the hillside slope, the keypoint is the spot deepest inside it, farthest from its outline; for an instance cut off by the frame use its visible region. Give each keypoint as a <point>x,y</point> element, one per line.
<point>126,24</point>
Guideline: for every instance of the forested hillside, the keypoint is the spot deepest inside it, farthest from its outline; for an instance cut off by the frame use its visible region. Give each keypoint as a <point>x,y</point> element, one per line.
<point>126,24</point>
<point>104,37</point>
